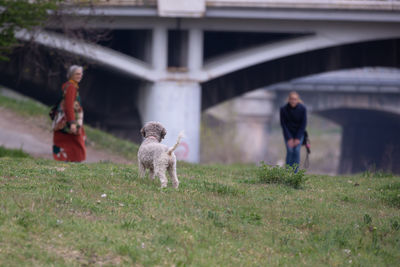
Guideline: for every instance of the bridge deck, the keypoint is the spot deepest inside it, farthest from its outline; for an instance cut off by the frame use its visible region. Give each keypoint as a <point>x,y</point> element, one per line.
<point>292,4</point>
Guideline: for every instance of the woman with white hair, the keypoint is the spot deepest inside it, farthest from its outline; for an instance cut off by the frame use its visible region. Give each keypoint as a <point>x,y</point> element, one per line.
<point>69,135</point>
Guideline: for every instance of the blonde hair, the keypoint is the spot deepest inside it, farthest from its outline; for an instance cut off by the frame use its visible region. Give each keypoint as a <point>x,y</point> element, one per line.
<point>294,93</point>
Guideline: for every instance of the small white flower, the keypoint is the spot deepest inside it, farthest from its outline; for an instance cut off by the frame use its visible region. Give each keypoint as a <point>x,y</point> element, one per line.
<point>98,201</point>
<point>350,261</point>
<point>71,191</point>
<point>121,204</point>
<point>59,221</point>
<point>103,195</point>
<point>347,251</point>
<point>143,246</point>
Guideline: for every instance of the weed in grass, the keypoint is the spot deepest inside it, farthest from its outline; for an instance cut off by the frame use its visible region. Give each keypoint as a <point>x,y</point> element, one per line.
<point>214,216</point>
<point>390,194</point>
<point>367,219</point>
<point>251,218</point>
<point>26,220</point>
<point>130,251</point>
<point>281,175</point>
<point>348,199</point>
<point>372,173</point>
<point>221,189</point>
<point>129,224</point>
<point>394,224</point>
<point>213,187</point>
<point>307,222</point>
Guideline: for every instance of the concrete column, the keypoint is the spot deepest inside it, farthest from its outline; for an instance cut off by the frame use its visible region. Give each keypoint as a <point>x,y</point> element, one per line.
<point>195,50</point>
<point>159,48</point>
<point>254,112</point>
<point>177,105</point>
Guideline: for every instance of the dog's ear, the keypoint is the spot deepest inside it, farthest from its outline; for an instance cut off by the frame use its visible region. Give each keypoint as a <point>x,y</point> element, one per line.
<point>163,133</point>
<point>143,132</point>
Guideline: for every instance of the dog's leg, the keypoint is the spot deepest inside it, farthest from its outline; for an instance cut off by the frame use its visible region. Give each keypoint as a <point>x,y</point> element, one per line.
<point>159,170</point>
<point>163,179</point>
<point>151,173</point>
<point>172,173</point>
<point>142,170</point>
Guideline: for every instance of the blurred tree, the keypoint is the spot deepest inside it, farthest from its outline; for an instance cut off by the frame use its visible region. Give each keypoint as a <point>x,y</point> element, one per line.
<point>20,14</point>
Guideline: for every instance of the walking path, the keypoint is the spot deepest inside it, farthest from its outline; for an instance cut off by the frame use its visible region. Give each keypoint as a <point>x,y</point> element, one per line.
<point>34,136</point>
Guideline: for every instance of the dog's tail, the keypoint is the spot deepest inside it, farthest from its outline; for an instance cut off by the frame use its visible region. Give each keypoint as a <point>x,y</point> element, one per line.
<point>172,149</point>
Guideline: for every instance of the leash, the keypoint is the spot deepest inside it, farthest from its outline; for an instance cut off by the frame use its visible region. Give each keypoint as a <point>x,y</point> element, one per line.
<point>307,144</point>
<point>307,161</point>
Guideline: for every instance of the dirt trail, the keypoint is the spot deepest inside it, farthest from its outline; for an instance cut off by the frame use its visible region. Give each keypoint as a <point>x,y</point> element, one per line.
<point>34,136</point>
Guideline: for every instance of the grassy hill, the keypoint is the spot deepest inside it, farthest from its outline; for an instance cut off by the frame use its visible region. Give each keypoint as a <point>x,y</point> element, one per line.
<point>54,214</point>
<point>67,214</point>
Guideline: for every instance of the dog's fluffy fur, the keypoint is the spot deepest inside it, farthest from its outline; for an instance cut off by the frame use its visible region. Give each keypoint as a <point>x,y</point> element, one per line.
<point>156,157</point>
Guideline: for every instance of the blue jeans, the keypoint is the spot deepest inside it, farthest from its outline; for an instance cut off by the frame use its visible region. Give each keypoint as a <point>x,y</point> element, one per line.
<point>293,154</point>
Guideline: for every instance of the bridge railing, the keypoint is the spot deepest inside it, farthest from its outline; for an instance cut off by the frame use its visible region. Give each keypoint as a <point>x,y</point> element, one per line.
<point>115,2</point>
<point>310,4</point>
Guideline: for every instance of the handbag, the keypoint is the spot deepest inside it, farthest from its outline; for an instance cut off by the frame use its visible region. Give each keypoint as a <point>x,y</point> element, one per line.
<point>59,118</point>
<point>57,115</point>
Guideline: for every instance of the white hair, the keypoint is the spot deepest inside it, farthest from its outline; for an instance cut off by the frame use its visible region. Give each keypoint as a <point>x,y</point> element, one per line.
<point>72,70</point>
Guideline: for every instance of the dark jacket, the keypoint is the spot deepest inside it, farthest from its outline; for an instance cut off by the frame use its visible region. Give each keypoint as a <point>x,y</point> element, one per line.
<point>293,121</point>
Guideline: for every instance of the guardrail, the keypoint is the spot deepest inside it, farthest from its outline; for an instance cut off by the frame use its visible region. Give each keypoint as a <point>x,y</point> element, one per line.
<point>310,4</point>
<point>301,4</point>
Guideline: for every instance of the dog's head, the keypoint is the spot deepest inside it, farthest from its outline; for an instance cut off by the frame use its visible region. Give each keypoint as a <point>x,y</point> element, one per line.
<point>154,129</point>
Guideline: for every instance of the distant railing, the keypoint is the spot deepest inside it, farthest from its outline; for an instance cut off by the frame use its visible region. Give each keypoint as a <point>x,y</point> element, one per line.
<point>310,4</point>
<point>115,2</point>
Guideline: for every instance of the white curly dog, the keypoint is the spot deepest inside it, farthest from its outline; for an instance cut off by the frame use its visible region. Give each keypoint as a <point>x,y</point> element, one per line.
<point>157,157</point>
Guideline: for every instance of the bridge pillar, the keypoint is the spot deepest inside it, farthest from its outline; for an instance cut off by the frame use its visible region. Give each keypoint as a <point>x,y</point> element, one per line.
<point>176,103</point>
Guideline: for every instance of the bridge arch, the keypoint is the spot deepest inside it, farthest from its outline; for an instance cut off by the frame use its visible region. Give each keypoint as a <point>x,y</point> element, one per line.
<point>355,55</point>
<point>92,52</point>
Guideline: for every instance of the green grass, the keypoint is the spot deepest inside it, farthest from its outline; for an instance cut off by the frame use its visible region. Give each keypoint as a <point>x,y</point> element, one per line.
<point>52,214</point>
<point>96,138</point>
<point>25,107</point>
<point>12,153</point>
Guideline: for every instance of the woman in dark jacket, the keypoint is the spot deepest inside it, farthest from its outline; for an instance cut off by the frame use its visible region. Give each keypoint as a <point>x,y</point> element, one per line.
<point>293,117</point>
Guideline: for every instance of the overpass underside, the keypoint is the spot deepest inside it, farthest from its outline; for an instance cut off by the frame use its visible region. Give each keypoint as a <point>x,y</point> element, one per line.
<point>169,69</point>
<point>370,139</point>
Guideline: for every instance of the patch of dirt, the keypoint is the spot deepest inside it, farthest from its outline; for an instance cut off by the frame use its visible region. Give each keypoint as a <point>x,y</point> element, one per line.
<point>34,136</point>
<point>79,257</point>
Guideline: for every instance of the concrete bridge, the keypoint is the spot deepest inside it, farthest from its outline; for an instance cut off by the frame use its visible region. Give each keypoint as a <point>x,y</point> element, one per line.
<point>168,62</point>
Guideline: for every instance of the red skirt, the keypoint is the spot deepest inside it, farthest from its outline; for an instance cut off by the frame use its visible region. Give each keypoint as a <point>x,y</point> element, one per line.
<point>69,147</point>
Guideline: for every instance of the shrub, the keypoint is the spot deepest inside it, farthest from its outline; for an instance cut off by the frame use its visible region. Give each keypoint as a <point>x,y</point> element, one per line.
<point>281,175</point>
